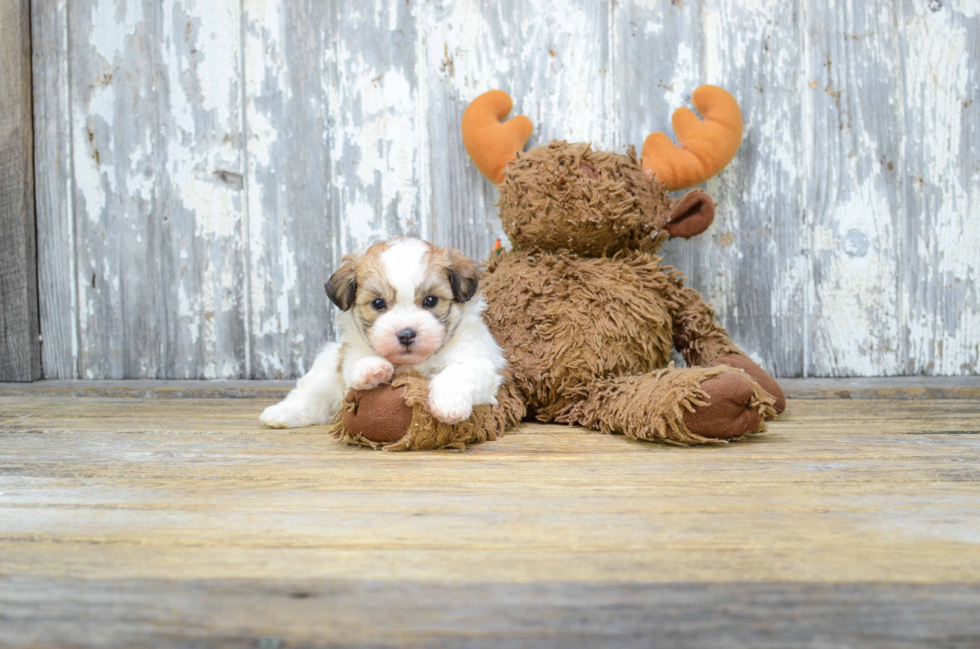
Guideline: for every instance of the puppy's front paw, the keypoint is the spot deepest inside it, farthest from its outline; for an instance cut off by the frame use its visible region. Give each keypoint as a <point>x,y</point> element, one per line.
<point>369,373</point>
<point>286,415</point>
<point>449,406</point>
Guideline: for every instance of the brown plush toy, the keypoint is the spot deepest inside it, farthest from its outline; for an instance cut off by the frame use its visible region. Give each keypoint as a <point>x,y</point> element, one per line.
<point>582,304</point>
<point>396,417</point>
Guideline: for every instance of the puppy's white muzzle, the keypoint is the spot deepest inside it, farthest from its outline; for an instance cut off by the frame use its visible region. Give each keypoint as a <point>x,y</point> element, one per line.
<point>390,336</point>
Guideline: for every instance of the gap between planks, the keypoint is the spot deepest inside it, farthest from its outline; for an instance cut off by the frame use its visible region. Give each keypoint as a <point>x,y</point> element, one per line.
<point>906,387</point>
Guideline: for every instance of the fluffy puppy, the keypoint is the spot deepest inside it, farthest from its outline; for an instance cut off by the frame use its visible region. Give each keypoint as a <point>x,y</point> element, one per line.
<point>405,305</point>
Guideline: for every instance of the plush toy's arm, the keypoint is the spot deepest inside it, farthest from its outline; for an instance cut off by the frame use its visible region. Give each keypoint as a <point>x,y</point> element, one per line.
<point>697,336</point>
<point>704,343</point>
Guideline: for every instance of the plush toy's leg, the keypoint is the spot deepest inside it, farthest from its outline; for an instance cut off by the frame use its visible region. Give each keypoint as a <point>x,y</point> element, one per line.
<point>705,343</point>
<point>694,405</point>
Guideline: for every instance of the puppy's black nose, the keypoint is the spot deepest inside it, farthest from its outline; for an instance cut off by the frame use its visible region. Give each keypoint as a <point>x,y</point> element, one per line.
<point>406,336</point>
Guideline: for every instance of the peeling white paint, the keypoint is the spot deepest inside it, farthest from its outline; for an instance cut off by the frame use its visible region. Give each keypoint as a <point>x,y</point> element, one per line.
<point>113,26</point>
<point>94,175</point>
<point>380,146</point>
<point>188,313</point>
<point>192,156</point>
<point>858,298</point>
<point>941,62</point>
<point>361,226</point>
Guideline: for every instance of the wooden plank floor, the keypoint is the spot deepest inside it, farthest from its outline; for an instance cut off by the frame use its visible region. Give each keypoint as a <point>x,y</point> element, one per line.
<point>181,522</point>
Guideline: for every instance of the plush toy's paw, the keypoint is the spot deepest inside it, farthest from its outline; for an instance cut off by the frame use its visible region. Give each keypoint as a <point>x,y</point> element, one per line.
<point>731,409</point>
<point>448,404</point>
<point>369,373</point>
<point>398,417</point>
<point>381,415</point>
<point>286,415</point>
<point>758,374</point>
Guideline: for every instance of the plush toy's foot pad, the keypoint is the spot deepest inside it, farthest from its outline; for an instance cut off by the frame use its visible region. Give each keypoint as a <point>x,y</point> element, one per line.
<point>758,374</point>
<point>729,409</point>
<point>379,415</point>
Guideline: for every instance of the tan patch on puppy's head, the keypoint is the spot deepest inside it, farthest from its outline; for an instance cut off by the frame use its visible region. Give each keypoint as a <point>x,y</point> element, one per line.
<point>373,284</point>
<point>460,271</point>
<point>359,281</point>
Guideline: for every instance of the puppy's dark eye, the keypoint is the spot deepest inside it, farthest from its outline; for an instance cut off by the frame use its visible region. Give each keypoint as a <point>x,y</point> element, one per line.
<point>379,304</point>
<point>430,302</point>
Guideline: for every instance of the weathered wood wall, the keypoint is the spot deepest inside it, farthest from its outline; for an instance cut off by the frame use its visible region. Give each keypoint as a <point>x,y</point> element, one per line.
<point>20,351</point>
<point>202,165</point>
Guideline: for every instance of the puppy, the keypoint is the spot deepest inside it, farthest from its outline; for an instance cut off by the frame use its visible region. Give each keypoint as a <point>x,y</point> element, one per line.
<point>405,305</point>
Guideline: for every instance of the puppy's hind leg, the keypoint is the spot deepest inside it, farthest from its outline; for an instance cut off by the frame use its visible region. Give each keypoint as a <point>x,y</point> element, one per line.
<point>316,398</point>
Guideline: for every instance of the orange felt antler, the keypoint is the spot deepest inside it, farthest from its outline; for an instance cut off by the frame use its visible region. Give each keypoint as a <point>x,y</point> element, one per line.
<point>705,146</point>
<point>490,143</point>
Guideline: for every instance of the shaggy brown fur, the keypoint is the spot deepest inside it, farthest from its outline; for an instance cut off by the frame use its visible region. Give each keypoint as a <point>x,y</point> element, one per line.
<point>424,432</point>
<point>657,406</point>
<point>588,315</point>
<point>603,202</point>
<point>584,308</point>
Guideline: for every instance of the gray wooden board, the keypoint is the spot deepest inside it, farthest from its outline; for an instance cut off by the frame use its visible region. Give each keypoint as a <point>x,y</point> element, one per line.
<point>156,144</point>
<point>334,158</point>
<point>20,355</point>
<point>900,387</point>
<point>940,130</point>
<point>50,612</point>
<point>198,183</point>
<point>56,274</point>
<point>154,522</point>
<point>757,235</point>
<point>854,102</point>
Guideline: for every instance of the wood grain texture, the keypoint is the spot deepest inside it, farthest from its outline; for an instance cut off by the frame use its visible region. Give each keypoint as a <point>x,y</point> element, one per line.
<point>335,157</point>
<point>552,57</point>
<point>555,615</point>
<point>940,45</point>
<point>20,353</point>
<point>854,208</point>
<point>846,491</point>
<point>169,521</point>
<point>291,245</point>
<point>56,275</point>
<point>751,50</point>
<point>900,387</point>
<point>846,236</point>
<point>156,151</point>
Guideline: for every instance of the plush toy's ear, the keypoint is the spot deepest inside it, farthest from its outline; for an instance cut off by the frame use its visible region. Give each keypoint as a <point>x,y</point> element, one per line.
<point>490,143</point>
<point>342,285</point>
<point>690,214</point>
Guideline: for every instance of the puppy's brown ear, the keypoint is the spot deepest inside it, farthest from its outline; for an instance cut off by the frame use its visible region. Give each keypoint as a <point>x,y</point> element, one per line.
<point>342,285</point>
<point>690,215</point>
<point>464,277</point>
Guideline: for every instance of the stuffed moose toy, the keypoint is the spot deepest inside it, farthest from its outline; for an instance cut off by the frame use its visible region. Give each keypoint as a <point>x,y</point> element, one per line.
<point>582,305</point>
